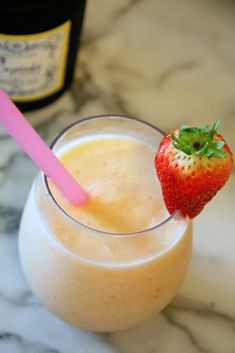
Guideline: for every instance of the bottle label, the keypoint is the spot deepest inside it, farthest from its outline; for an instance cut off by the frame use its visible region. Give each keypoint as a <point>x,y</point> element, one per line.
<point>33,66</point>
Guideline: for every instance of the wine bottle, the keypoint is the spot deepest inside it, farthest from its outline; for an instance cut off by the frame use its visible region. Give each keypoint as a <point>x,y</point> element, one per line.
<point>39,41</point>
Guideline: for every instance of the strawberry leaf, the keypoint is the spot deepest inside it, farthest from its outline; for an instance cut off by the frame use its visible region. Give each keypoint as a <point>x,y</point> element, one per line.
<point>199,140</point>
<point>218,144</point>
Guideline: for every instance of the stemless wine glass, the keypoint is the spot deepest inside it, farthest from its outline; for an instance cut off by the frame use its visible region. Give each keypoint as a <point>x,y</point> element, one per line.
<point>90,287</point>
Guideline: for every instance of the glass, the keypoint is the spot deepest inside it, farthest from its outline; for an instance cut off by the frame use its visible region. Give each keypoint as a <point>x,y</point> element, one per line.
<point>112,281</point>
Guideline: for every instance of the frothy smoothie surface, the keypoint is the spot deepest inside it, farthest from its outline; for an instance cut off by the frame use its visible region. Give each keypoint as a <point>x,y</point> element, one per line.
<point>118,174</point>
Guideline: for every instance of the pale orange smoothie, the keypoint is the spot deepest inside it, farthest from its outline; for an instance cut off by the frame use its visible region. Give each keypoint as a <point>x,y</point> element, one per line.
<point>120,259</point>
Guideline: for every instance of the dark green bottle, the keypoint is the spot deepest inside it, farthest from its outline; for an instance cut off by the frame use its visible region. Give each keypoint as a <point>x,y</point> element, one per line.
<point>39,40</point>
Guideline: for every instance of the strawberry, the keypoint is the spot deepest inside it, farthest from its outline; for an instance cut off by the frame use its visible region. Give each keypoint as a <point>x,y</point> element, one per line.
<point>192,164</point>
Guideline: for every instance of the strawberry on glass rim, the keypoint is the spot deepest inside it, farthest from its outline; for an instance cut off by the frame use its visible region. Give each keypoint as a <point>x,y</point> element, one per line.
<point>192,164</point>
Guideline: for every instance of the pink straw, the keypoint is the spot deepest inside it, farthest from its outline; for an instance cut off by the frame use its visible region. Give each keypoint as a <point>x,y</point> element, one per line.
<point>23,133</point>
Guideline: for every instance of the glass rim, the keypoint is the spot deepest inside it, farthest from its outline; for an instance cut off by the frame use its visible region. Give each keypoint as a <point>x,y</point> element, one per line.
<point>73,220</point>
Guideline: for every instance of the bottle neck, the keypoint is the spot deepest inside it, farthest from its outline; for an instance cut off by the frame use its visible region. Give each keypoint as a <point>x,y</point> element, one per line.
<point>10,5</point>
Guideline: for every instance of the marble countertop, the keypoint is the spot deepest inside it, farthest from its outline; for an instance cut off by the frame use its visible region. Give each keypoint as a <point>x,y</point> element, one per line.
<point>167,62</point>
